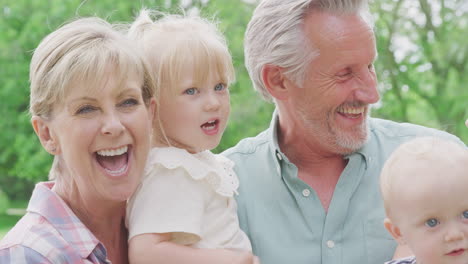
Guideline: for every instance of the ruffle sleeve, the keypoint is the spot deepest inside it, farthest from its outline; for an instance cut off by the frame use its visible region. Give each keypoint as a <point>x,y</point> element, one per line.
<point>216,170</point>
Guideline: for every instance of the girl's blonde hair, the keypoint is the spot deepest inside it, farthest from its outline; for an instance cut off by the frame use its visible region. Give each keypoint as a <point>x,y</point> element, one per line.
<point>174,43</point>
<point>82,52</point>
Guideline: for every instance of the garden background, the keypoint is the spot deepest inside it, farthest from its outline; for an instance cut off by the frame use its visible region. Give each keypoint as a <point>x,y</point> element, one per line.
<point>421,67</point>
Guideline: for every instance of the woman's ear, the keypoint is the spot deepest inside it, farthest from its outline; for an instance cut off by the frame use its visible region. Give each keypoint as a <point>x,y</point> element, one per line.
<point>394,231</point>
<point>42,129</point>
<point>275,81</point>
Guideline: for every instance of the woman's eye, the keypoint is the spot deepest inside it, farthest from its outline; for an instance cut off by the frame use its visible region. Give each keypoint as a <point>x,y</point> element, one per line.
<point>191,91</point>
<point>85,109</point>
<point>219,87</point>
<point>129,102</point>
<point>432,222</point>
<point>371,67</point>
<point>465,214</point>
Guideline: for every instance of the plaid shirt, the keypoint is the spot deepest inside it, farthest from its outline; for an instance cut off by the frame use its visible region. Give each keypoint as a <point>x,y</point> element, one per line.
<point>50,233</point>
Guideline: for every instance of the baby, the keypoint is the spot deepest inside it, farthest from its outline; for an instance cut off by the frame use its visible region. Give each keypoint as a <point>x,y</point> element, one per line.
<point>424,186</point>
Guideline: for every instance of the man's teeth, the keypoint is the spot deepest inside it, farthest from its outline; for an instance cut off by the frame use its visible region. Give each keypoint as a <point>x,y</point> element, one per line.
<point>113,152</point>
<point>352,110</point>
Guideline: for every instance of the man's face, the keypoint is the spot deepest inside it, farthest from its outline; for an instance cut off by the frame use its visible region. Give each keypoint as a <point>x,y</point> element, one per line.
<point>340,84</point>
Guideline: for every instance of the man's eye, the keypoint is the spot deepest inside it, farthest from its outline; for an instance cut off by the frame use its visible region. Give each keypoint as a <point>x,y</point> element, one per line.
<point>129,102</point>
<point>220,87</point>
<point>191,91</point>
<point>432,222</point>
<point>370,67</point>
<point>85,109</point>
<point>344,73</point>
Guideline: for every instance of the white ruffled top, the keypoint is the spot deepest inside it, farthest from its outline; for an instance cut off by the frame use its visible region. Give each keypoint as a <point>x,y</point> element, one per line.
<point>190,196</point>
<point>217,170</point>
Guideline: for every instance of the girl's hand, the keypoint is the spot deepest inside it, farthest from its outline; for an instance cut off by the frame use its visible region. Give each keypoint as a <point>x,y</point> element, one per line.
<point>245,257</point>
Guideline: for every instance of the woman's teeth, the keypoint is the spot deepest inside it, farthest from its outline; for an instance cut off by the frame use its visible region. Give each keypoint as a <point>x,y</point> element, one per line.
<point>113,152</point>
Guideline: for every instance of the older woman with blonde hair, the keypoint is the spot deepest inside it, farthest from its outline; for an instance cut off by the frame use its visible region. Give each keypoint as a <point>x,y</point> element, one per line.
<point>91,104</point>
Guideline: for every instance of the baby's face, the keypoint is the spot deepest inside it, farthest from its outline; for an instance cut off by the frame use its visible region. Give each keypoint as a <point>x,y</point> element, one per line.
<point>431,211</point>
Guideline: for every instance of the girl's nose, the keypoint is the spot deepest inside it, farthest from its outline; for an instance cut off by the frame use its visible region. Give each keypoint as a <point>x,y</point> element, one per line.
<point>212,102</point>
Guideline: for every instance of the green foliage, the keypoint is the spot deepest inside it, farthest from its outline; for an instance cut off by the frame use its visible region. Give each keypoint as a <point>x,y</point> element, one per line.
<point>412,91</point>
<point>4,202</point>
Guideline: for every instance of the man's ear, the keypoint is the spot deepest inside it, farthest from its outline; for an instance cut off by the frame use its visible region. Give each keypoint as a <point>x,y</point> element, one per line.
<point>42,129</point>
<point>394,231</point>
<point>275,81</point>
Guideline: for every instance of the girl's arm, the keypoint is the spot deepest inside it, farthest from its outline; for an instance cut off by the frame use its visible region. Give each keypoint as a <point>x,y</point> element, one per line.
<point>156,248</point>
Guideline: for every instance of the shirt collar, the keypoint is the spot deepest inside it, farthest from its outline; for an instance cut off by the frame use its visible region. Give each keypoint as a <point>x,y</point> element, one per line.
<point>279,156</point>
<point>49,205</point>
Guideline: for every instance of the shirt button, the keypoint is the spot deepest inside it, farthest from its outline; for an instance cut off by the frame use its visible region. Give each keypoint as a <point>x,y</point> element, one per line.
<point>330,244</point>
<point>278,155</point>
<point>306,192</point>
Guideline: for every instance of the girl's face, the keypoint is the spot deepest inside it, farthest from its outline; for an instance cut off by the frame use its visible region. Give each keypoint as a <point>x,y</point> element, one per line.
<point>194,116</point>
<point>101,136</point>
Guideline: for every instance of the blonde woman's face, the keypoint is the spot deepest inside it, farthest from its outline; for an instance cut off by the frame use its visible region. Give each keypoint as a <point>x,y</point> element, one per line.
<point>102,136</point>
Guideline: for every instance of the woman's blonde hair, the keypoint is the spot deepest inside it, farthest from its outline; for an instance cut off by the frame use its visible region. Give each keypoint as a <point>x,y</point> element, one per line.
<point>173,43</point>
<point>82,52</point>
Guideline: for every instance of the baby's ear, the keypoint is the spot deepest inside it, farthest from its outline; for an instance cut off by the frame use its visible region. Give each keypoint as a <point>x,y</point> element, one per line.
<point>394,231</point>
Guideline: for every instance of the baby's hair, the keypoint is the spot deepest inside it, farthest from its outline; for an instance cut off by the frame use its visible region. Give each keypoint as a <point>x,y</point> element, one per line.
<point>175,43</point>
<point>415,154</point>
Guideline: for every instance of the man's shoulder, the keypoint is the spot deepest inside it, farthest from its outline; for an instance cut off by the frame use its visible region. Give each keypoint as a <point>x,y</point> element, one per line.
<point>401,131</point>
<point>249,145</point>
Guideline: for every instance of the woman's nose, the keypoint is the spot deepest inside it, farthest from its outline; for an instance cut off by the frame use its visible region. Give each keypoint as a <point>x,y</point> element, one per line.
<point>112,125</point>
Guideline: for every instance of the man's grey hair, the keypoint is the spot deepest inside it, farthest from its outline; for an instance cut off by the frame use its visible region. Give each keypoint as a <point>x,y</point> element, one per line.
<point>275,36</point>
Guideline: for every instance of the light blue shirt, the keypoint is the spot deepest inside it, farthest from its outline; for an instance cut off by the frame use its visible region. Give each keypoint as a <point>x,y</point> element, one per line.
<point>285,219</point>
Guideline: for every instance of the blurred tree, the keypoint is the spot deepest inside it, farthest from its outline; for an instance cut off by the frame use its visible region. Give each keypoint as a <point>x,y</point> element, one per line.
<point>421,68</point>
<point>423,54</point>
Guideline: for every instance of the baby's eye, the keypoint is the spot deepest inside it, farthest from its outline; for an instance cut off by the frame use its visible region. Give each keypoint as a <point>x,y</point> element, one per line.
<point>85,109</point>
<point>432,222</point>
<point>465,214</point>
<point>219,87</point>
<point>191,91</point>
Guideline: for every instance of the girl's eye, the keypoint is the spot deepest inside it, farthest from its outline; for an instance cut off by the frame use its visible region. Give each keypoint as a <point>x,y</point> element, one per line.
<point>191,91</point>
<point>465,214</point>
<point>85,109</point>
<point>432,222</point>
<point>219,87</point>
<point>129,102</point>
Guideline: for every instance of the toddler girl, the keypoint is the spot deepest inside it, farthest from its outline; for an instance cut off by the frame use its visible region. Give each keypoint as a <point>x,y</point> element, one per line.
<point>184,210</point>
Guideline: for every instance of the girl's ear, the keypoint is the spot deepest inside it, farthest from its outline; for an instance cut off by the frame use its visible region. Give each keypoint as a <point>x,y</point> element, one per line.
<point>42,129</point>
<point>275,81</point>
<point>394,231</point>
